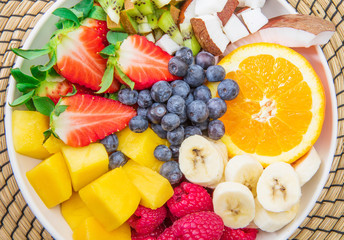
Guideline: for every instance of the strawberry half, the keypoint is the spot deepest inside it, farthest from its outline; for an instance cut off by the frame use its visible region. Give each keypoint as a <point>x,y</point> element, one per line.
<point>89,118</point>
<point>54,90</point>
<point>143,62</point>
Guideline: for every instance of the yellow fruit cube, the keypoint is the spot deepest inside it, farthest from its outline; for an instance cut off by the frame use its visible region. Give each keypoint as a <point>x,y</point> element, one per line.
<point>28,128</point>
<point>53,144</point>
<point>155,190</point>
<point>51,180</point>
<point>140,146</point>
<point>85,164</point>
<point>112,198</point>
<point>91,229</point>
<point>75,211</point>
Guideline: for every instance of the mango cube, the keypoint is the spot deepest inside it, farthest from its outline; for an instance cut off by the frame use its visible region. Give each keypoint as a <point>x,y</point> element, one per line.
<point>112,198</point>
<point>155,190</point>
<point>51,180</point>
<point>140,146</point>
<point>85,164</point>
<point>91,229</point>
<point>75,211</point>
<point>28,128</point>
<point>53,144</point>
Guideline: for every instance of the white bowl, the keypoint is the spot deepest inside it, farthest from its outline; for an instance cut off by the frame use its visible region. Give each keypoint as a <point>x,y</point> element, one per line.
<point>52,219</point>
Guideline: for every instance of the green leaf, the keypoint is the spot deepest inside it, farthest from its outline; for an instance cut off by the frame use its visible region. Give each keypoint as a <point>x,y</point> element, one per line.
<point>71,93</point>
<point>21,77</point>
<point>43,105</point>
<point>31,53</point>
<point>124,77</point>
<point>98,13</point>
<point>114,37</point>
<point>107,78</point>
<point>108,51</point>
<point>59,109</point>
<point>22,99</point>
<point>26,87</point>
<point>41,76</point>
<point>67,14</point>
<point>29,105</point>
<point>85,7</point>
<point>113,96</point>
<point>47,135</point>
<point>49,64</point>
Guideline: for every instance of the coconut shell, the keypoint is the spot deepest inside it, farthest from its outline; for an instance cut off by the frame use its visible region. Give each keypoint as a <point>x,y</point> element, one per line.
<point>227,11</point>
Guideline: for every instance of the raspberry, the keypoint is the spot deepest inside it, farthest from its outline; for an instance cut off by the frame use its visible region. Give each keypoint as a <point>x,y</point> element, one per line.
<point>189,198</point>
<point>146,220</point>
<point>149,236</point>
<point>239,234</point>
<point>194,226</point>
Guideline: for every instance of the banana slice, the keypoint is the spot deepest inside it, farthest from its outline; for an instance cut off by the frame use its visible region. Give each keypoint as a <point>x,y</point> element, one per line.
<point>200,161</point>
<point>278,188</point>
<point>272,221</point>
<point>244,169</point>
<point>234,203</point>
<point>221,148</point>
<point>307,166</point>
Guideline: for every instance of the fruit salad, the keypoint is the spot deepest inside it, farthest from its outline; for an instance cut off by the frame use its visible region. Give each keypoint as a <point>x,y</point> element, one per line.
<point>172,119</point>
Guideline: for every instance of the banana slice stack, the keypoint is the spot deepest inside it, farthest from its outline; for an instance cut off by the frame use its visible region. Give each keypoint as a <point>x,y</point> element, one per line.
<point>246,194</point>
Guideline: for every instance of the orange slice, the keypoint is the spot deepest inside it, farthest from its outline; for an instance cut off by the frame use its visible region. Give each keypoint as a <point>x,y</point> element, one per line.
<point>279,112</point>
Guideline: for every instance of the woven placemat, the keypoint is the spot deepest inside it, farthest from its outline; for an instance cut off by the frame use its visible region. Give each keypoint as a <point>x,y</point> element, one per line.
<point>325,221</point>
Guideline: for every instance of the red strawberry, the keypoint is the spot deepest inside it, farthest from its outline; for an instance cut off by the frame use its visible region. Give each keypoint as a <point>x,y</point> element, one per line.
<point>54,90</point>
<point>143,62</point>
<point>89,118</point>
<point>78,58</point>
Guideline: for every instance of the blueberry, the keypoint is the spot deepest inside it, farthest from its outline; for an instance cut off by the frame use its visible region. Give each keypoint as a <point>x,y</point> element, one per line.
<point>217,108</point>
<point>186,55</point>
<point>216,129</point>
<point>202,93</point>
<point>177,67</point>
<point>170,121</point>
<point>183,116</point>
<point>142,112</point>
<point>159,131</point>
<point>197,111</point>
<point>228,89</point>
<point>117,159</point>
<point>161,91</point>
<point>138,124</point>
<point>202,125</point>
<point>192,130</point>
<point>176,136</point>
<point>156,112</point>
<point>176,104</point>
<point>195,76</point>
<point>110,143</point>
<point>171,171</point>
<point>189,99</point>
<point>175,151</point>
<point>205,59</point>
<point>181,88</point>
<point>162,153</point>
<point>127,96</point>
<point>144,99</point>
<point>215,73</point>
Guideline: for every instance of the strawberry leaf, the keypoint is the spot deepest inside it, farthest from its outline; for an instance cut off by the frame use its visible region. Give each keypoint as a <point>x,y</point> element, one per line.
<point>43,105</point>
<point>29,105</point>
<point>113,96</point>
<point>67,14</point>
<point>47,135</point>
<point>124,77</point>
<point>71,93</point>
<point>31,53</point>
<point>114,37</point>
<point>107,77</point>
<point>26,87</point>
<point>85,7</point>
<point>37,73</point>
<point>49,64</point>
<point>108,51</point>
<point>98,13</point>
<point>21,77</point>
<point>22,99</point>
<point>59,109</point>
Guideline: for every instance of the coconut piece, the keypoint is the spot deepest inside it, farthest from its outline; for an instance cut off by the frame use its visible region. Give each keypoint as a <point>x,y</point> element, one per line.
<point>254,19</point>
<point>251,3</point>
<point>204,7</point>
<point>209,34</point>
<point>150,37</point>
<point>235,29</point>
<point>167,44</point>
<point>187,11</point>
<point>225,14</point>
<point>174,13</point>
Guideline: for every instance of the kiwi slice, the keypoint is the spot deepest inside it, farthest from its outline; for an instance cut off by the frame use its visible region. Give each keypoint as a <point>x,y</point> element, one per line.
<point>142,19</point>
<point>158,33</point>
<point>189,38</point>
<point>145,7</point>
<point>150,37</point>
<point>144,28</point>
<point>161,3</point>
<point>128,23</point>
<point>112,8</point>
<point>153,21</point>
<point>132,9</point>
<point>116,27</point>
<point>167,24</point>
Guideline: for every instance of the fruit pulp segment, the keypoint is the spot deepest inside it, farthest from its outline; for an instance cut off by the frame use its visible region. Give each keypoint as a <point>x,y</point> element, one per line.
<point>75,211</point>
<point>91,229</point>
<point>51,180</point>
<point>85,164</point>
<point>112,198</point>
<point>53,144</point>
<point>155,190</point>
<point>29,126</point>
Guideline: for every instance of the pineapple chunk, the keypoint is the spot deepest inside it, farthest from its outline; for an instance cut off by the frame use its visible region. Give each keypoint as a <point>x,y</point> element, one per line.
<point>85,164</point>
<point>140,147</point>
<point>28,128</point>
<point>75,211</point>
<point>155,190</point>
<point>91,229</point>
<point>51,180</point>
<point>112,198</point>
<point>53,144</point>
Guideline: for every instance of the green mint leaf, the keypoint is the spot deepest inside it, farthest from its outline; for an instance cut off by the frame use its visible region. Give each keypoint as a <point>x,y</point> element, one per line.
<point>85,7</point>
<point>113,96</point>
<point>21,77</point>
<point>29,105</point>
<point>59,109</point>
<point>108,51</point>
<point>43,105</point>
<point>26,87</point>
<point>41,76</point>
<point>47,135</point>
<point>124,77</point>
<point>31,53</point>
<point>107,78</point>
<point>50,64</point>
<point>114,37</point>
<point>22,99</point>
<point>98,13</point>
<point>67,14</point>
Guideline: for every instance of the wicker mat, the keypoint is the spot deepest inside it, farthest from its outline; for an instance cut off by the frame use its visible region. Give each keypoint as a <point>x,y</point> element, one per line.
<point>325,221</point>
